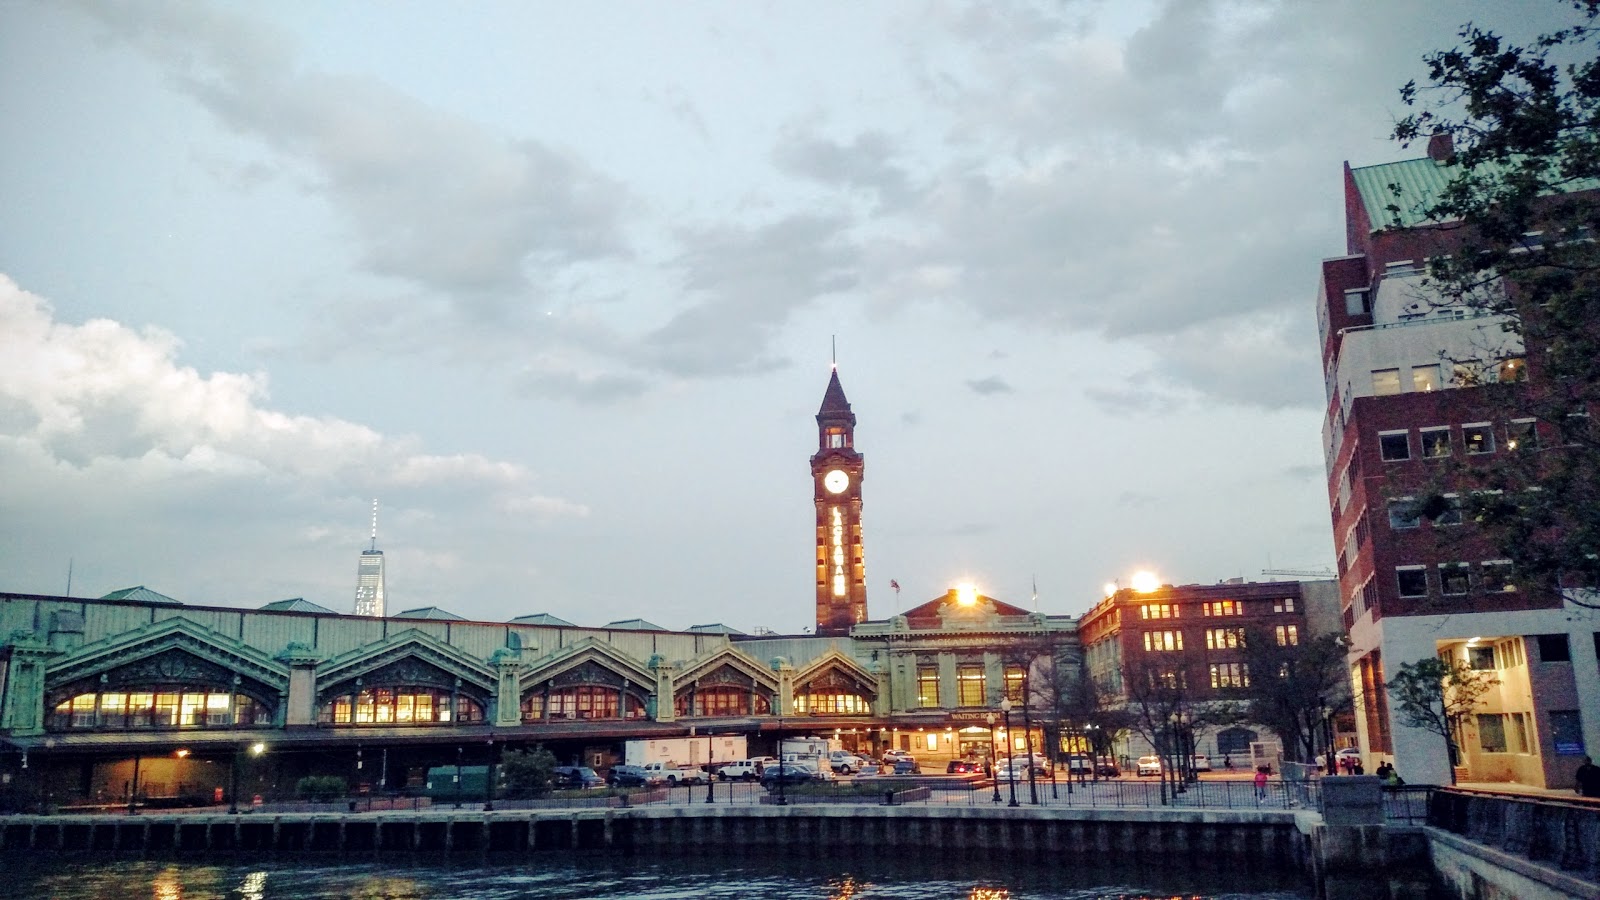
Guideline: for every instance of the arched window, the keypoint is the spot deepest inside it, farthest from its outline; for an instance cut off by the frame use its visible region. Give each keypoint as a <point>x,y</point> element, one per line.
<point>403,705</point>
<point>582,701</point>
<point>831,703</point>
<point>722,700</point>
<point>1235,740</point>
<point>159,708</point>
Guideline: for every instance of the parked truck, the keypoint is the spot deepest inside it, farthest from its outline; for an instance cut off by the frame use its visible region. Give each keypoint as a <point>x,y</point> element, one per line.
<point>808,751</point>
<point>690,752</point>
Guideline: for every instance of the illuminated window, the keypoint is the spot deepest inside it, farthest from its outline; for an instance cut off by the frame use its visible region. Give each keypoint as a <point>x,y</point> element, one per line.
<point>1385,382</point>
<point>1435,443</point>
<point>1479,438</point>
<point>1015,679</point>
<point>1425,378</point>
<point>1159,611</point>
<point>1522,434</point>
<point>1230,675</point>
<point>1224,638</point>
<point>970,685</point>
<point>1163,641</point>
<point>1288,635</point>
<point>1512,370</point>
<point>1223,608</point>
<point>397,706</point>
<point>1286,605</point>
<point>927,687</point>
<point>835,703</point>
<point>121,711</point>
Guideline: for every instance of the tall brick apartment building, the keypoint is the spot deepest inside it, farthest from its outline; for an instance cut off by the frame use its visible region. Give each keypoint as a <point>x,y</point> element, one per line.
<point>1395,359</point>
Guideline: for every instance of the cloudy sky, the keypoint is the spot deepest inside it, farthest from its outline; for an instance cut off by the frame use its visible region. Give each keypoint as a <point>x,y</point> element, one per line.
<point>556,283</point>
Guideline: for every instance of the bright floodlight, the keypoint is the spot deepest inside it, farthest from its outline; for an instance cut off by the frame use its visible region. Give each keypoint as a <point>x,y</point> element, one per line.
<point>1111,588</point>
<point>966,595</point>
<point>1145,582</point>
<point>258,748</point>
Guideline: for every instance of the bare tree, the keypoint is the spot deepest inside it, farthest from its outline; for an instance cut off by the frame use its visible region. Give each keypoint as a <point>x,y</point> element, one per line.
<point>1296,687</point>
<point>1438,696</point>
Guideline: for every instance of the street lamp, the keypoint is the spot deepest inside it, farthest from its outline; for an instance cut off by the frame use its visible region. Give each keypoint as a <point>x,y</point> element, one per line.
<point>488,778</point>
<point>994,758</point>
<point>1011,768</point>
<point>783,772</point>
<point>711,770</point>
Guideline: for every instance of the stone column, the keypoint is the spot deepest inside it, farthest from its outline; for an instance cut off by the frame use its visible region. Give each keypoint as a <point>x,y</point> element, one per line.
<point>508,696</point>
<point>666,709</point>
<point>882,706</point>
<point>785,686</point>
<point>25,657</point>
<point>300,707</point>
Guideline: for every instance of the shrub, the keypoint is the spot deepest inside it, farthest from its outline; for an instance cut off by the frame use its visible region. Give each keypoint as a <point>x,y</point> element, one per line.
<point>321,788</point>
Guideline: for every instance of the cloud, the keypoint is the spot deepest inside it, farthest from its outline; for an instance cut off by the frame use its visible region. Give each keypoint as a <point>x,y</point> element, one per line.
<point>433,199</point>
<point>989,386</point>
<point>864,164</point>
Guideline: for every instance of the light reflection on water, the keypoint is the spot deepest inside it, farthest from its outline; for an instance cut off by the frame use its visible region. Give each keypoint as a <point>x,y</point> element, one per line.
<point>602,878</point>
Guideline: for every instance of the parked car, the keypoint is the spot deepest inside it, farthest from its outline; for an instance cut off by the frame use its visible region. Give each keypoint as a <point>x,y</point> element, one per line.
<point>844,762</point>
<point>787,773</point>
<point>1078,764</point>
<point>1149,765</point>
<point>1200,763</point>
<point>1021,764</point>
<point>743,770</point>
<point>628,777</point>
<point>891,756</point>
<point>906,765</point>
<point>577,777</point>
<point>962,767</point>
<point>1107,768</point>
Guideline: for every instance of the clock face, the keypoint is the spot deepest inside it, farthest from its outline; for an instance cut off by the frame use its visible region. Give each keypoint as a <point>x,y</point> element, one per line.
<point>836,481</point>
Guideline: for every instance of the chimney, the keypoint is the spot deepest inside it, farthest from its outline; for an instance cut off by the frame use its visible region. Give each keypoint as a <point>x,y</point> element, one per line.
<point>1441,147</point>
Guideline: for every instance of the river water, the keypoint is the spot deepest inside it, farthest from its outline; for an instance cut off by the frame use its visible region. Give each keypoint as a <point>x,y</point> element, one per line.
<point>551,877</point>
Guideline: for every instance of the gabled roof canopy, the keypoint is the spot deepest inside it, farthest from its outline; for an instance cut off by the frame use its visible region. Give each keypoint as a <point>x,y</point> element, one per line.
<point>542,619</point>
<point>429,612</point>
<point>141,594</point>
<point>298,604</point>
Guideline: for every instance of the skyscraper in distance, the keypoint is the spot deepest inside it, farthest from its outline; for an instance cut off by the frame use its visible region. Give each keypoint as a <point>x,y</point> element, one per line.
<point>369,575</point>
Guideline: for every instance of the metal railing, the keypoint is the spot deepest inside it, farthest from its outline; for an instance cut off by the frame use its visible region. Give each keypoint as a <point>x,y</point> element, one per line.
<point>1561,832</point>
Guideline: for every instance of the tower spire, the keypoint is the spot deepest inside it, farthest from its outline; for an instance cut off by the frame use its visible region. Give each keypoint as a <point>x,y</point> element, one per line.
<point>374,524</point>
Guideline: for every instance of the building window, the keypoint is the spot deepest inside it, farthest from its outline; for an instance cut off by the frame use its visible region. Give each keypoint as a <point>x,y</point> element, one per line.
<point>1554,648</point>
<point>1497,576</point>
<point>1394,446</point>
<point>1522,434</point>
<point>1425,378</point>
<point>1453,579</point>
<point>1479,437</point>
<point>1223,608</point>
<point>831,703</point>
<point>1230,675</point>
<point>1385,382</point>
<point>1016,678</point>
<point>1435,443</point>
<point>1403,513</point>
<point>1576,429</point>
<point>970,685</point>
<point>1491,732</point>
<point>384,706</point>
<point>1356,303</point>
<point>1288,635</point>
<point>1224,638</point>
<point>1480,659</point>
<point>1510,370</point>
<point>1518,736</point>
<point>1412,580</point>
<point>1286,605</point>
<point>1163,641</point>
<point>122,711</point>
<point>1169,679</point>
<point>1158,611</point>
<point>927,687</point>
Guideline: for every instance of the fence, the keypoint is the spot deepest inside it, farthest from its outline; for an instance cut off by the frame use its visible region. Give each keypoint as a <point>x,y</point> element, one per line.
<point>1563,832</point>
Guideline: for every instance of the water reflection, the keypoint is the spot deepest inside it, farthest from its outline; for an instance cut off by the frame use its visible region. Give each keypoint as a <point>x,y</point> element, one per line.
<point>989,893</point>
<point>254,886</point>
<point>168,884</point>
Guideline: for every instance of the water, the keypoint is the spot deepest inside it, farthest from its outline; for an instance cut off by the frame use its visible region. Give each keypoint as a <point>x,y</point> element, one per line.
<point>549,877</point>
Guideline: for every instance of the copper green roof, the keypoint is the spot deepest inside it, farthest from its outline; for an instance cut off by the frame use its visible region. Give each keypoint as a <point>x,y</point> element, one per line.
<point>1419,181</point>
<point>634,625</point>
<point>715,628</point>
<point>542,619</point>
<point>429,612</point>
<point>297,604</point>
<point>141,594</point>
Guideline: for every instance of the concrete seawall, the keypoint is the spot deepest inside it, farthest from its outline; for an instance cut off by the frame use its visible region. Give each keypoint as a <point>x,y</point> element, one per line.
<point>1223,838</point>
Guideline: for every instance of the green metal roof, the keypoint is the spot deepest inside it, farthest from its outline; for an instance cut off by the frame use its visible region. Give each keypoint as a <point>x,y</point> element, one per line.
<point>297,604</point>
<point>1419,182</point>
<point>142,594</point>
<point>542,619</point>
<point>633,625</point>
<point>429,612</point>
<point>715,628</point>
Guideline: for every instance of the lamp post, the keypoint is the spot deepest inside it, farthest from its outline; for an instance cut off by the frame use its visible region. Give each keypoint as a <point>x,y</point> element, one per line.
<point>711,770</point>
<point>488,778</point>
<point>458,777</point>
<point>133,789</point>
<point>1027,743</point>
<point>233,775</point>
<point>1011,769</point>
<point>783,771</point>
<point>994,757</point>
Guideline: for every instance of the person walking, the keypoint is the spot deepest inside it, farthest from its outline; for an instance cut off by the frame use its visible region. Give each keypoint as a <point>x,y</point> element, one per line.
<point>1261,783</point>
<point>1588,779</point>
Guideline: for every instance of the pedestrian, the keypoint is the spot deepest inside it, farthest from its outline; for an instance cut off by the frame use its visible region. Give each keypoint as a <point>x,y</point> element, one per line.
<point>1261,783</point>
<point>1357,768</point>
<point>1588,779</point>
<point>1227,761</point>
<point>1384,770</point>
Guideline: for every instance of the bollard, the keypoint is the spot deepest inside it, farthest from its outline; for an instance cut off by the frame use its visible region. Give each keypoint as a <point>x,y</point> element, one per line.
<point>888,798</point>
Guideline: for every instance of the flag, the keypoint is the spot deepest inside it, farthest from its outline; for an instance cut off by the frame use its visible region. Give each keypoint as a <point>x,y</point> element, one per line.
<point>894,584</point>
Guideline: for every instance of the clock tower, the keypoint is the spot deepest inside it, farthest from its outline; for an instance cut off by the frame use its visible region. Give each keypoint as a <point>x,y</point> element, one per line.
<point>836,489</point>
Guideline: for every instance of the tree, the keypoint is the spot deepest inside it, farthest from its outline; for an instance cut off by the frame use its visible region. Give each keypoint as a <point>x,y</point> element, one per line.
<point>1516,227</point>
<point>1296,688</point>
<point>528,771</point>
<point>1438,696</point>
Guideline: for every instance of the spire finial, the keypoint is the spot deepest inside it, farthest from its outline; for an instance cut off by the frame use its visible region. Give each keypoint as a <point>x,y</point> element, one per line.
<point>833,340</point>
<point>374,524</point>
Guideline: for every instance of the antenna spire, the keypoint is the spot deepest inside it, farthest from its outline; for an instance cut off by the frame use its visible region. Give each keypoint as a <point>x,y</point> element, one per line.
<point>833,340</point>
<point>374,523</point>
